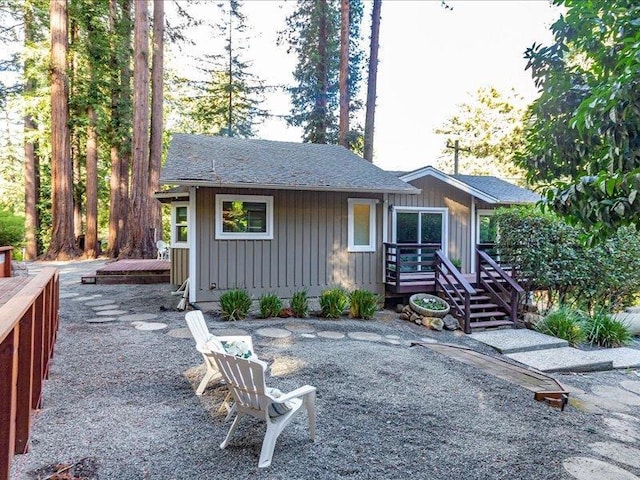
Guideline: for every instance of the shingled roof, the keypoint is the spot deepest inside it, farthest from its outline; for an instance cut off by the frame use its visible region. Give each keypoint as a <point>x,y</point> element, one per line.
<point>251,163</point>
<point>485,187</point>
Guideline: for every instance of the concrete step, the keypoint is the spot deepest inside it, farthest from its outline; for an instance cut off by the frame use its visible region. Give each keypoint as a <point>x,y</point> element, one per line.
<point>519,340</point>
<point>570,359</point>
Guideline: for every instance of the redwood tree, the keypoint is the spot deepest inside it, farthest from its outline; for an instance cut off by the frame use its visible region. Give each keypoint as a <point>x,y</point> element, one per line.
<point>344,73</point>
<point>62,245</point>
<point>372,81</point>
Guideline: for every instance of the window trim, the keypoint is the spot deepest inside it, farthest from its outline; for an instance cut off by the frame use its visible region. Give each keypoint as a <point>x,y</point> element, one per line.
<point>371,247</point>
<point>482,212</point>
<point>174,242</point>
<point>222,235</point>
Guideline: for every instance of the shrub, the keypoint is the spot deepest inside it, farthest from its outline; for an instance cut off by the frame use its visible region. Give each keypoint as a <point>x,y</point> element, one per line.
<point>333,302</point>
<point>364,304</point>
<point>300,304</point>
<point>270,305</point>
<point>11,231</point>
<point>564,323</point>
<point>604,330</point>
<point>235,304</point>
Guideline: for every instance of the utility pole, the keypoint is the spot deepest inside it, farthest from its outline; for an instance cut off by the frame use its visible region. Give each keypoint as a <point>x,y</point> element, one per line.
<point>456,149</point>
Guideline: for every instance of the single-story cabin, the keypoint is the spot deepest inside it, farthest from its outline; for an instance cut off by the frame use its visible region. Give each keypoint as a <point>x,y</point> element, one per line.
<point>277,217</point>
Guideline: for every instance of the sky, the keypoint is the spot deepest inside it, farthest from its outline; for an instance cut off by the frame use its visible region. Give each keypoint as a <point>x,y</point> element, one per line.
<point>431,60</point>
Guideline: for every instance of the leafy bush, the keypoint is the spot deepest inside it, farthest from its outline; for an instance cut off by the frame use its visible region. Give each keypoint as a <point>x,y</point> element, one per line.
<point>333,302</point>
<point>270,305</point>
<point>364,304</point>
<point>300,304</point>
<point>565,323</point>
<point>604,330</point>
<point>235,304</point>
<point>11,231</point>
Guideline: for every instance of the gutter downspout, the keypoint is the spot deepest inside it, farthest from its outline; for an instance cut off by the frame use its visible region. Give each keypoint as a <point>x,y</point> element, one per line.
<point>385,233</point>
<point>474,235</point>
<point>193,252</point>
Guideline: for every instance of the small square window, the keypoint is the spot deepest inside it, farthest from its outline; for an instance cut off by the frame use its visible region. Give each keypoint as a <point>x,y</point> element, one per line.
<point>244,217</point>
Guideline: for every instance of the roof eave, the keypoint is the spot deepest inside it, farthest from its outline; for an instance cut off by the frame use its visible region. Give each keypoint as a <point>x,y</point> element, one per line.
<point>454,182</point>
<point>316,188</point>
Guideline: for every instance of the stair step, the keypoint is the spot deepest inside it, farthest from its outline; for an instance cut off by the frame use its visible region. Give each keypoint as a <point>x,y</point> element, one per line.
<point>483,306</point>
<point>491,324</point>
<point>494,313</point>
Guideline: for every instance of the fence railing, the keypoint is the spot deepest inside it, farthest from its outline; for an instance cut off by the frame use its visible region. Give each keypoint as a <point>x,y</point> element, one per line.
<point>28,328</point>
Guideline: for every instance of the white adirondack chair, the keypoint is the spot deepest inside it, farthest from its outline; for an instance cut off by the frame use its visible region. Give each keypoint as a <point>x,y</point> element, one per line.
<point>205,342</point>
<point>245,378</point>
<point>163,250</point>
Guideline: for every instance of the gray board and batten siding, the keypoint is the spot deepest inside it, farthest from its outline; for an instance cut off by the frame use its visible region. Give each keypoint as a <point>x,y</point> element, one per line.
<point>179,265</point>
<point>309,249</point>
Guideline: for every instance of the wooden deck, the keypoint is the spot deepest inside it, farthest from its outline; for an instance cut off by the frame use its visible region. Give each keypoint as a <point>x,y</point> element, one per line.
<point>10,286</point>
<point>131,271</point>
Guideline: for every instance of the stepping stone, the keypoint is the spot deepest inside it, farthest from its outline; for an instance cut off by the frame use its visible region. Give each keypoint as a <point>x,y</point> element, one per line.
<point>392,341</point>
<point>134,317</point>
<point>565,359</point>
<point>180,333</point>
<point>601,403</point>
<point>618,452</point>
<point>632,385</point>
<point>300,328</point>
<point>521,340</point>
<point>273,332</point>
<point>585,468</point>
<point>428,340</point>
<point>228,331</point>
<point>100,320</point>
<point>307,335</point>
<point>622,430</point>
<point>622,357</point>
<point>365,336</point>
<point>584,404</point>
<point>109,313</point>
<point>97,303</point>
<point>88,297</point>
<point>106,307</point>
<point>68,295</point>
<point>331,335</point>
<point>149,326</point>
<point>393,337</point>
<point>619,394</point>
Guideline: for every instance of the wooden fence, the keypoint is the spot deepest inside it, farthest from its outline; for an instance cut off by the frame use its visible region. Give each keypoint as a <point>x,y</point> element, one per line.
<point>28,327</point>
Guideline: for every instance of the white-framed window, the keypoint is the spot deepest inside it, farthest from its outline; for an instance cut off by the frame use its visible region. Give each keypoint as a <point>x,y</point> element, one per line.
<point>362,225</point>
<point>487,227</point>
<point>244,217</point>
<point>180,224</point>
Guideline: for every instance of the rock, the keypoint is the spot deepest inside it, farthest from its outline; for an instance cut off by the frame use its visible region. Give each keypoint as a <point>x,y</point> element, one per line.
<point>631,320</point>
<point>450,322</point>
<point>285,313</point>
<point>407,309</point>
<point>426,321</point>
<point>399,308</point>
<point>436,324</point>
<point>19,269</point>
<point>404,316</point>
<point>530,319</point>
<point>418,321</point>
<point>415,318</point>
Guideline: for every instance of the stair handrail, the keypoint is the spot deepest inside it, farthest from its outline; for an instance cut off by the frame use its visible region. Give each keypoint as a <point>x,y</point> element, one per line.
<point>464,292</point>
<point>514,290</point>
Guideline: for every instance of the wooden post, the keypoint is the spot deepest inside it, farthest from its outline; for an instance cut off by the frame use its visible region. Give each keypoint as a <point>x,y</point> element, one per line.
<point>5,261</point>
<point>456,150</point>
<point>8,380</point>
<point>25,381</point>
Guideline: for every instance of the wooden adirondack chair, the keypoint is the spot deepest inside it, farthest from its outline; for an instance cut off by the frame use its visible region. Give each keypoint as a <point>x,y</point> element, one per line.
<point>245,378</point>
<point>205,341</point>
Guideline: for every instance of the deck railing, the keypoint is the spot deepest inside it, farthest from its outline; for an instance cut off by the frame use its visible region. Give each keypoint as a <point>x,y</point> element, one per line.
<point>28,328</point>
<point>456,289</point>
<point>502,288</point>
<point>5,261</point>
<point>409,262</point>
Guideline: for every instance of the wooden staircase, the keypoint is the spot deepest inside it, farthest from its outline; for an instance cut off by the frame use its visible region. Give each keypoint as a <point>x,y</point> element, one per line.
<point>484,313</point>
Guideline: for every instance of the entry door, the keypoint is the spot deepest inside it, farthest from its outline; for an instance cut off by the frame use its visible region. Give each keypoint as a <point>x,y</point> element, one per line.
<point>420,226</point>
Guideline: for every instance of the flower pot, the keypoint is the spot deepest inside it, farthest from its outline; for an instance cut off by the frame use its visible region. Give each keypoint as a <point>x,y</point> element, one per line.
<point>425,311</point>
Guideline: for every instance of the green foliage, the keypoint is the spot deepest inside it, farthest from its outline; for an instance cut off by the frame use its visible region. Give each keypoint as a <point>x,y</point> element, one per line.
<point>11,230</point>
<point>584,139</point>
<point>547,253</point>
<point>270,305</point>
<point>315,94</point>
<point>490,129</point>
<point>565,323</point>
<point>605,331</point>
<point>333,302</point>
<point>300,304</point>
<point>235,304</point>
<point>363,304</point>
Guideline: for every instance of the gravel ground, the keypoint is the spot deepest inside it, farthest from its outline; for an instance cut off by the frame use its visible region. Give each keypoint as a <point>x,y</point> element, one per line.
<point>121,402</point>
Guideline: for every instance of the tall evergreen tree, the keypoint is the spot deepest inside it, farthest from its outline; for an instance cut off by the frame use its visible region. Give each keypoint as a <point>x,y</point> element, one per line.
<point>155,140</point>
<point>372,80</point>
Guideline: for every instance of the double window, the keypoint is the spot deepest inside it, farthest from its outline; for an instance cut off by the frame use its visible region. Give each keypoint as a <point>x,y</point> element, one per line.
<point>244,217</point>
<point>362,225</point>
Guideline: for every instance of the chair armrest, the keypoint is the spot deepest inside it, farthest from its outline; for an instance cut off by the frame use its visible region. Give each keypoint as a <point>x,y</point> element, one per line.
<point>297,393</point>
<point>235,338</point>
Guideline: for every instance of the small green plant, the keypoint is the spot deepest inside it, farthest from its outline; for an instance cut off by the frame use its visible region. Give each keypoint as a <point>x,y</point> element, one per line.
<point>456,263</point>
<point>431,303</point>
<point>605,331</point>
<point>235,304</point>
<point>364,304</point>
<point>270,305</point>
<point>300,304</point>
<point>333,302</point>
<point>565,323</point>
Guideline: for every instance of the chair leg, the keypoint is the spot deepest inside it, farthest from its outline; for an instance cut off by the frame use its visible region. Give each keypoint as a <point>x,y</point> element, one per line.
<point>269,444</point>
<point>310,403</point>
<point>205,381</point>
<point>234,425</point>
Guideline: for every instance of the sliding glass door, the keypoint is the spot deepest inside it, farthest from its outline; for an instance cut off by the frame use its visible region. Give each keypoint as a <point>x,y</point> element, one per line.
<point>416,225</point>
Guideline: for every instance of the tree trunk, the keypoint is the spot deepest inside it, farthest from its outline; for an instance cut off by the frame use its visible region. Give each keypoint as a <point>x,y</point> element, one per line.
<point>139,241</point>
<point>62,245</point>
<point>344,73</point>
<point>120,139</point>
<point>91,235</point>
<point>155,143</point>
<point>372,81</point>
<point>31,163</point>
<point>322,68</point>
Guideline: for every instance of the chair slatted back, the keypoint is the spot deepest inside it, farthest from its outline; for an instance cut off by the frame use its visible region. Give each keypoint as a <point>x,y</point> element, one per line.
<point>245,379</point>
<point>197,327</point>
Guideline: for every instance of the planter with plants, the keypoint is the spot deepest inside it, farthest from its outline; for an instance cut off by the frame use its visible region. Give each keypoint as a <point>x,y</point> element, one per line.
<point>428,305</point>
